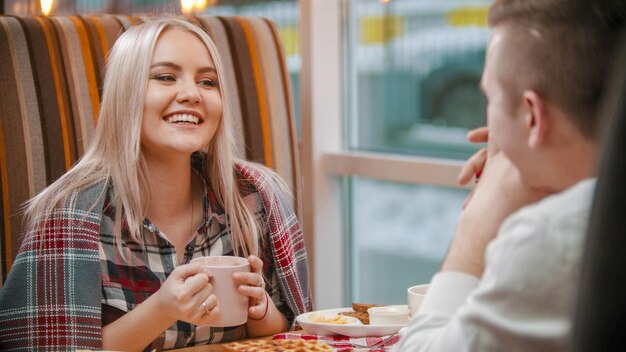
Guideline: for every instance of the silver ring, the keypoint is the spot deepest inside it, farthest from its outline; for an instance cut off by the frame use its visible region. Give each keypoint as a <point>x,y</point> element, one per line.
<point>206,308</point>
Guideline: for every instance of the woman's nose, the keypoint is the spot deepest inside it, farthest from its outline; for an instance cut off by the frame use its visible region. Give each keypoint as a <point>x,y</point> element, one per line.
<point>188,92</point>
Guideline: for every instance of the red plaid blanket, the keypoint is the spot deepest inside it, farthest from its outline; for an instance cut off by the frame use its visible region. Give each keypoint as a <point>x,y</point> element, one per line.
<point>347,344</point>
<point>51,299</point>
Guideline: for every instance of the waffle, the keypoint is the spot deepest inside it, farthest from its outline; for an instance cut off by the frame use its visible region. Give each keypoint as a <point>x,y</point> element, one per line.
<point>294,345</point>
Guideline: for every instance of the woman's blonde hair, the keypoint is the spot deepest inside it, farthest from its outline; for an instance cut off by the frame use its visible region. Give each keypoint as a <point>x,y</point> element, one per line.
<point>115,154</point>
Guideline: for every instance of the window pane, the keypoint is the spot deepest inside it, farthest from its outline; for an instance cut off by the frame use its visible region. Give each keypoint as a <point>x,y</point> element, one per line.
<point>413,68</point>
<point>400,236</point>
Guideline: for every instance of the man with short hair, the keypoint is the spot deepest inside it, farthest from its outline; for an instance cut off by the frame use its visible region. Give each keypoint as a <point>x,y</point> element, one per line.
<point>510,279</point>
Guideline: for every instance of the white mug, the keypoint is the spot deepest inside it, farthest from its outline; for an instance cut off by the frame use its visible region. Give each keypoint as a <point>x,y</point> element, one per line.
<point>233,305</point>
<point>415,296</point>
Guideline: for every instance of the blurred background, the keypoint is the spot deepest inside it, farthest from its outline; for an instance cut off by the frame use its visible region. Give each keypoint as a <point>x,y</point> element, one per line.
<point>409,71</point>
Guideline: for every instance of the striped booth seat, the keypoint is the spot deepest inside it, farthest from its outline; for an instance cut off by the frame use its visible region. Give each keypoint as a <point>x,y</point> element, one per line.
<point>50,89</point>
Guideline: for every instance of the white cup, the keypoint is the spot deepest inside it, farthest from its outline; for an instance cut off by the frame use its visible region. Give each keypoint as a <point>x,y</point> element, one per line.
<point>233,305</point>
<point>415,296</point>
<point>389,315</point>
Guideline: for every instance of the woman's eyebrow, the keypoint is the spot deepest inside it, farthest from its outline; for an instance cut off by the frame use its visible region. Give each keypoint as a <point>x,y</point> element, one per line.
<point>178,67</point>
<point>166,64</point>
<point>207,69</point>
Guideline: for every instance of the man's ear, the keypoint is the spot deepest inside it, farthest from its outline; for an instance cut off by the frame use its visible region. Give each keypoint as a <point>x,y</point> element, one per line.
<point>535,118</point>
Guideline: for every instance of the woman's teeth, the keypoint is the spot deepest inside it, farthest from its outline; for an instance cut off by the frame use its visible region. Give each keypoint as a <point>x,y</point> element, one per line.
<point>183,118</point>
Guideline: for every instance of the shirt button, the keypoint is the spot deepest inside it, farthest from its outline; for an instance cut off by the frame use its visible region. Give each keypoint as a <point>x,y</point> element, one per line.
<point>187,334</point>
<point>189,248</point>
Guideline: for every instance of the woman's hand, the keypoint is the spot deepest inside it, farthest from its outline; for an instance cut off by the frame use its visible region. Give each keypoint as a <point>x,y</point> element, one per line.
<point>187,295</point>
<point>263,316</point>
<point>252,285</point>
<point>180,297</point>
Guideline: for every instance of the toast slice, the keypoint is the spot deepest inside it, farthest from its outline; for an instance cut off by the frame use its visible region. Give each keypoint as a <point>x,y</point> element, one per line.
<point>362,316</point>
<point>360,311</point>
<point>363,307</point>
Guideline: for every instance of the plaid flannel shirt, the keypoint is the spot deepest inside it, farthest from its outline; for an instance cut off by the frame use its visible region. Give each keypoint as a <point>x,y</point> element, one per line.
<point>52,299</point>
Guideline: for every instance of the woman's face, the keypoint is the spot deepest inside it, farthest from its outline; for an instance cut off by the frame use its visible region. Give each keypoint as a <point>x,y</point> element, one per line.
<point>183,103</point>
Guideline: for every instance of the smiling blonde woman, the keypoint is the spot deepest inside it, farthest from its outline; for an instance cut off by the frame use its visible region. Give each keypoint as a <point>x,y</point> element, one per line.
<point>106,260</point>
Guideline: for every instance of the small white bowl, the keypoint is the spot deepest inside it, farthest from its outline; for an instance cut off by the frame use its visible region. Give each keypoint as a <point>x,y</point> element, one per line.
<point>389,315</point>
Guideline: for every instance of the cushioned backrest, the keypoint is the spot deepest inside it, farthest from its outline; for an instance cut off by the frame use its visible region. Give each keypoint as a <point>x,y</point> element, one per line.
<point>50,88</point>
<point>600,323</point>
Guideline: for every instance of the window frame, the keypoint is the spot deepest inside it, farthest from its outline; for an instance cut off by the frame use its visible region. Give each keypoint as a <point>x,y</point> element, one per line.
<point>325,159</point>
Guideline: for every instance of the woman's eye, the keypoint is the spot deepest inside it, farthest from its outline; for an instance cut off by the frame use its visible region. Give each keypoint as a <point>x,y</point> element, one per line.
<point>207,83</point>
<point>164,78</point>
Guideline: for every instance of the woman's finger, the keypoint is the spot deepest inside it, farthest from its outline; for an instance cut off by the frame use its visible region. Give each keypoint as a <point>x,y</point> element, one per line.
<point>257,309</point>
<point>254,277</point>
<point>208,304</point>
<point>208,317</point>
<point>184,271</point>
<point>196,282</point>
<point>249,279</point>
<point>256,264</point>
<point>253,292</point>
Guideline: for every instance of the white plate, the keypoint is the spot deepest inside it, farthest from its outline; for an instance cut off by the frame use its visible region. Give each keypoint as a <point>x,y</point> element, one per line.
<point>350,330</point>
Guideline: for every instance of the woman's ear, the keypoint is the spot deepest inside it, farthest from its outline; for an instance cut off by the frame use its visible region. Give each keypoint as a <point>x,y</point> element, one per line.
<point>535,117</point>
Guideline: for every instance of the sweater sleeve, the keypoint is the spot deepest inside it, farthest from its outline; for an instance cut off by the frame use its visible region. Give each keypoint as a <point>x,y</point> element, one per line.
<point>524,300</point>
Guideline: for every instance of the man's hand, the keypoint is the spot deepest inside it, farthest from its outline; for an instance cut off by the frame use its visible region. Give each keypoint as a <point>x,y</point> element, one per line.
<point>474,166</point>
<point>499,193</point>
